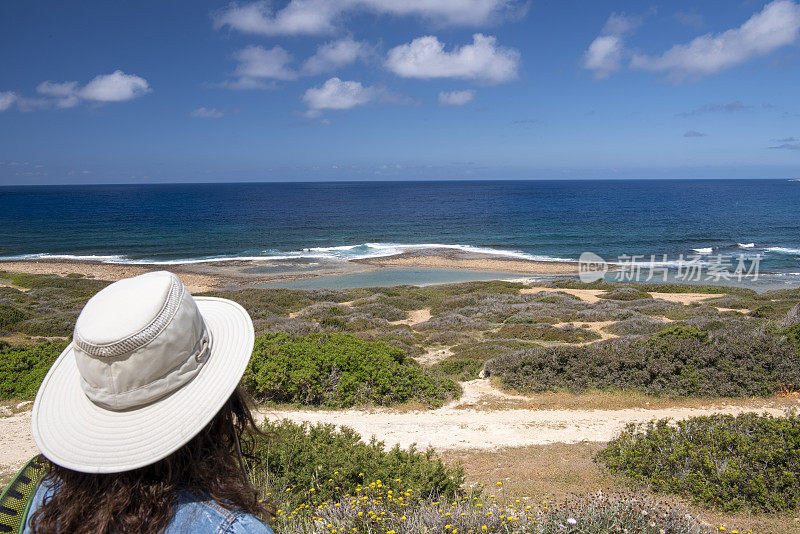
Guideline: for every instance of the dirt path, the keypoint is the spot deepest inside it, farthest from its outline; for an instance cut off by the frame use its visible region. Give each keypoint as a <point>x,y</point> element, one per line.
<point>458,425</point>
<point>415,317</point>
<point>433,356</point>
<point>593,295</point>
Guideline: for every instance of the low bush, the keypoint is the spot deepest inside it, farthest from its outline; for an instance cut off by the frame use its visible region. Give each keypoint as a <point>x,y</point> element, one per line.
<point>381,310</point>
<point>635,326</point>
<point>338,370</point>
<point>453,322</point>
<point>10,315</point>
<point>376,509</point>
<point>677,361</point>
<point>723,461</point>
<point>301,462</point>
<point>22,369</point>
<point>615,513</point>
<point>265,302</point>
<point>544,332</point>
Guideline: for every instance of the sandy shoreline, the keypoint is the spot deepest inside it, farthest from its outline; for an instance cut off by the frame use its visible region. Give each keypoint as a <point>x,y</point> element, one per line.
<point>200,277</point>
<point>454,259</point>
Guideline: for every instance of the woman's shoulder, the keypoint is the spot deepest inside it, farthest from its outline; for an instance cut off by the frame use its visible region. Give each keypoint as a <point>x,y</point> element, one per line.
<point>196,513</point>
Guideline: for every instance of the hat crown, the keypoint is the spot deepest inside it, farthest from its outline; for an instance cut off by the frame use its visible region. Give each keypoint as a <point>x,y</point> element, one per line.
<point>138,340</point>
<point>124,308</point>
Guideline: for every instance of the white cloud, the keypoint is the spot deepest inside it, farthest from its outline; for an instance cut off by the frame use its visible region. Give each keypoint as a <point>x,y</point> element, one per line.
<point>335,54</point>
<point>299,17</point>
<point>621,24</point>
<point>315,17</point>
<point>338,94</point>
<point>456,98</point>
<point>604,56</point>
<point>115,87</point>
<point>775,26</point>
<point>7,99</point>
<point>257,63</point>
<point>482,60</point>
<point>65,94</point>
<point>206,113</point>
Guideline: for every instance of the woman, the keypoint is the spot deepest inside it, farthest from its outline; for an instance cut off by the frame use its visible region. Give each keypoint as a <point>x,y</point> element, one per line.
<point>140,418</point>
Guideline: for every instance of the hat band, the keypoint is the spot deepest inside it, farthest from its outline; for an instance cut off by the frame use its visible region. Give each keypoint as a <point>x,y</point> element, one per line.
<point>174,379</point>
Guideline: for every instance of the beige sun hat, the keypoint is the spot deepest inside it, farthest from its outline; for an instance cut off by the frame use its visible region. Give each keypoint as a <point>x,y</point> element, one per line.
<point>148,368</point>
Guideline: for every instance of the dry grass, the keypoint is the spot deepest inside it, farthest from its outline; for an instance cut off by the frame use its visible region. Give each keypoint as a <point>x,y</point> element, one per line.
<point>559,470</point>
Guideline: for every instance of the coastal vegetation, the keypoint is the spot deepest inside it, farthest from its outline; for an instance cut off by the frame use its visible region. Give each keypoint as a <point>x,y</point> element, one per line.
<point>23,368</point>
<point>324,480</point>
<point>339,370</point>
<point>738,343</point>
<point>679,361</point>
<point>412,345</point>
<point>727,462</point>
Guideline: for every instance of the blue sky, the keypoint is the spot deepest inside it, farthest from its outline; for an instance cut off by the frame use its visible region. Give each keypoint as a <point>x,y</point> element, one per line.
<point>151,91</point>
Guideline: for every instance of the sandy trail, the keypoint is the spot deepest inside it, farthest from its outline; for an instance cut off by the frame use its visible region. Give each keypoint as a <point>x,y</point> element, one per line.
<point>415,317</point>
<point>684,298</point>
<point>458,425</point>
<point>433,356</point>
<point>593,295</point>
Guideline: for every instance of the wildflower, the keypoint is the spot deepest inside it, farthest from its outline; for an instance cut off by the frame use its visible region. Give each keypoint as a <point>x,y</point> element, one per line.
<point>572,521</point>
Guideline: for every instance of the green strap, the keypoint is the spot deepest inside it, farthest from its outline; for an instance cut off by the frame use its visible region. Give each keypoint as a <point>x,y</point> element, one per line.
<point>16,498</point>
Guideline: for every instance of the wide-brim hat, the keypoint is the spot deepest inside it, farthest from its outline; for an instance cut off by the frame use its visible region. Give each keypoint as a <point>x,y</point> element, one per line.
<point>148,368</point>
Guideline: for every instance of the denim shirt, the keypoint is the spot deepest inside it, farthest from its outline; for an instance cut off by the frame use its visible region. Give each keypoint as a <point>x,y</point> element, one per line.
<point>193,514</point>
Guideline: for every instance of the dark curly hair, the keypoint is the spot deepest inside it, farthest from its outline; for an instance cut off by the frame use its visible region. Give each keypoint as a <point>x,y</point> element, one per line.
<point>211,465</point>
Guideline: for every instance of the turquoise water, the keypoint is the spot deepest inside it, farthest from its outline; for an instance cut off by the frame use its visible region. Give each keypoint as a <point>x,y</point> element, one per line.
<point>394,277</point>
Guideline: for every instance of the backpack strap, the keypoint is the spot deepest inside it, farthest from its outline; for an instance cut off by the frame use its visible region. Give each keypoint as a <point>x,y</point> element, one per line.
<point>16,498</point>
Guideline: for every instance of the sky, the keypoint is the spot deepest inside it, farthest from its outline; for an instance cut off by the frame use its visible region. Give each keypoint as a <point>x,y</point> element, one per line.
<point>308,90</point>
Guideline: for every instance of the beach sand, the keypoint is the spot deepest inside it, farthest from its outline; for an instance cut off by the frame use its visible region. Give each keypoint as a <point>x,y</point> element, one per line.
<point>200,277</point>
<point>458,259</point>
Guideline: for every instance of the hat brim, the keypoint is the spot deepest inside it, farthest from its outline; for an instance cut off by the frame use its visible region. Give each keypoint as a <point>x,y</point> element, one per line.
<point>73,432</point>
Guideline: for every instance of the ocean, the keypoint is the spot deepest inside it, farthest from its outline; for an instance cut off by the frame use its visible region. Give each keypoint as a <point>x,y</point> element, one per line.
<point>545,220</point>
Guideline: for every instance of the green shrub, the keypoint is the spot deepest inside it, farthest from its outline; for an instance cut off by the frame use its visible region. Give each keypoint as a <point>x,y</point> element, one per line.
<point>678,361</point>
<point>322,462</point>
<point>461,369</point>
<point>764,311</point>
<point>22,369</point>
<point>792,334</point>
<point>545,332</point>
<point>720,460</point>
<point>682,331</point>
<point>339,370</point>
<point>333,322</point>
<point>638,325</point>
<point>9,315</point>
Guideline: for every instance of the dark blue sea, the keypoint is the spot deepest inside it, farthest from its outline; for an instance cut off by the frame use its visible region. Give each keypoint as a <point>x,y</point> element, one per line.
<point>332,221</point>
